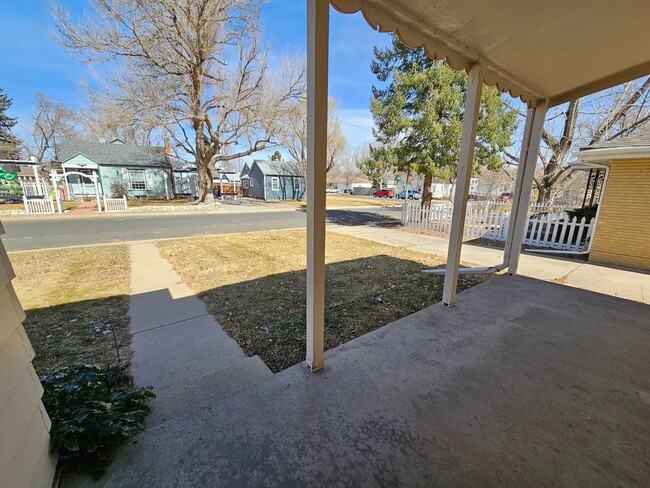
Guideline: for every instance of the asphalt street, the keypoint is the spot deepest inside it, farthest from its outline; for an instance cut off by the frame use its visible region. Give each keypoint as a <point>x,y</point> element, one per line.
<point>47,233</point>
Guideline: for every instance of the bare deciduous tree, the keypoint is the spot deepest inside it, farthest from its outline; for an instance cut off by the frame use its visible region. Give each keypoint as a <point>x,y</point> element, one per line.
<point>294,138</point>
<point>492,183</point>
<point>194,67</point>
<point>106,119</point>
<point>51,122</point>
<point>617,112</point>
<point>345,169</point>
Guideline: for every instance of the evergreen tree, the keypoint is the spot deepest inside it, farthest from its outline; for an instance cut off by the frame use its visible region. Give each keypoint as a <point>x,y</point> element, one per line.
<point>9,148</point>
<point>418,113</point>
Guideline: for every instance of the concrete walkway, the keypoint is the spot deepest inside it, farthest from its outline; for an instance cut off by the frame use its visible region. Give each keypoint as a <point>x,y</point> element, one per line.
<point>84,208</point>
<point>525,383</point>
<point>178,347</point>
<point>601,279</point>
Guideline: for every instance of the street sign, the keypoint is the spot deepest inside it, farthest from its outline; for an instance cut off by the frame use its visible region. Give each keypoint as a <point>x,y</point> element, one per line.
<point>399,179</point>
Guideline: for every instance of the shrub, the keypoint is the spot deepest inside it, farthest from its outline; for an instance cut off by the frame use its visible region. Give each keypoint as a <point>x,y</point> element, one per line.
<point>588,213</point>
<point>93,410</point>
<point>118,189</point>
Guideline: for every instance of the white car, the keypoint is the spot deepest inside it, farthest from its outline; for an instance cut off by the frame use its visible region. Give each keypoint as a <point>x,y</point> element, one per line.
<point>331,190</point>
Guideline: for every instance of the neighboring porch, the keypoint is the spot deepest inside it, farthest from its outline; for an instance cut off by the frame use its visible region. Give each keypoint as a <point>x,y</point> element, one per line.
<point>78,179</point>
<point>525,383</point>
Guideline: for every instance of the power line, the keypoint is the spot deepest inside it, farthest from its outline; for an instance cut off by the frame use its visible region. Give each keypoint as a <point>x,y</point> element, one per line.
<point>354,125</point>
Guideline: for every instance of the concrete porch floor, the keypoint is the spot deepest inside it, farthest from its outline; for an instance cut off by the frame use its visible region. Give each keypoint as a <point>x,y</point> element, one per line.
<point>525,383</point>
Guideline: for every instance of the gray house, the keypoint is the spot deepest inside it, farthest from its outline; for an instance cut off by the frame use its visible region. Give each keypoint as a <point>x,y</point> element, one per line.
<point>273,180</point>
<point>141,171</point>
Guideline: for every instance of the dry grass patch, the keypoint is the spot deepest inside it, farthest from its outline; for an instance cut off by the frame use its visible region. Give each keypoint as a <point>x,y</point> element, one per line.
<point>133,203</point>
<point>21,206</point>
<point>76,302</point>
<point>336,201</point>
<point>254,284</point>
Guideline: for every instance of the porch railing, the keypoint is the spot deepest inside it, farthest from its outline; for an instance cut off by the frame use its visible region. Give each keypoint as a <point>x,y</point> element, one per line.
<point>548,226</point>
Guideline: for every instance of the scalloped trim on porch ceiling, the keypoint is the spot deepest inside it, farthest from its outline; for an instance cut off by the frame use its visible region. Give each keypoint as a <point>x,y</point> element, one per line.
<point>557,50</point>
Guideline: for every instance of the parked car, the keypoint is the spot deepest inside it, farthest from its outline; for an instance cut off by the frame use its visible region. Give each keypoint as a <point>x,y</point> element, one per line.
<point>385,193</point>
<point>412,195</point>
<point>505,196</point>
<point>331,190</point>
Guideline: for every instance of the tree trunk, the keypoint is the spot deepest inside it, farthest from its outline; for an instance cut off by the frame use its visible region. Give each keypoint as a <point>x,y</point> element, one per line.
<point>543,195</point>
<point>204,184</point>
<point>426,190</point>
<point>406,184</point>
<point>202,162</point>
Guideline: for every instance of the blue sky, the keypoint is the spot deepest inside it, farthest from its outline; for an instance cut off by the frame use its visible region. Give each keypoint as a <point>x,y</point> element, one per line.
<point>34,62</point>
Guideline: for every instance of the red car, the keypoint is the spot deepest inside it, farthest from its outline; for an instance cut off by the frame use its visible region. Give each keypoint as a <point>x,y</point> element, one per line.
<point>384,194</point>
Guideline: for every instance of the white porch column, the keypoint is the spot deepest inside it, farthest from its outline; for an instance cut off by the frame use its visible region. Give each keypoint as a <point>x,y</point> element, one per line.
<point>55,184</point>
<point>317,78</point>
<point>523,185</point>
<point>39,189</point>
<point>470,123</point>
<point>99,201</point>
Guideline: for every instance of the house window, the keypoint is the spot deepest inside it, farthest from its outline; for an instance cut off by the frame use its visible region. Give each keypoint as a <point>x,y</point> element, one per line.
<point>245,183</point>
<point>137,179</point>
<point>296,184</point>
<point>275,183</point>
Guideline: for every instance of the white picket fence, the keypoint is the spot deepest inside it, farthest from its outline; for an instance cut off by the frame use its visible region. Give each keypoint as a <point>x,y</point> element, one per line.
<point>548,226</point>
<point>39,206</point>
<point>33,188</point>
<point>115,204</point>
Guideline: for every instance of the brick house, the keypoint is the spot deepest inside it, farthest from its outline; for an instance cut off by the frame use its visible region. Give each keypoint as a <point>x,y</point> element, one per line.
<point>621,235</point>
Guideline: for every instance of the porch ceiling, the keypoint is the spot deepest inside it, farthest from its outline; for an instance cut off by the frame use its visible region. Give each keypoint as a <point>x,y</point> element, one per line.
<point>554,49</point>
<point>504,390</point>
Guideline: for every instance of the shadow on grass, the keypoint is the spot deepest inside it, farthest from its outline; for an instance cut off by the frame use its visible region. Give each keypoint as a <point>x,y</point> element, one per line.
<point>85,332</point>
<point>267,316</point>
<point>354,217</point>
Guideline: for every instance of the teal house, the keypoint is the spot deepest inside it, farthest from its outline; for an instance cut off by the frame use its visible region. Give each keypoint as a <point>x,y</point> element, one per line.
<point>273,180</point>
<point>123,169</point>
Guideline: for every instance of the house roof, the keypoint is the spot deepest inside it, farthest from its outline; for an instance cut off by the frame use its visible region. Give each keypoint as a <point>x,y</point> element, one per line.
<point>114,153</point>
<point>637,140</point>
<point>634,146</point>
<point>277,168</point>
<point>179,164</point>
<point>554,50</point>
<point>228,176</point>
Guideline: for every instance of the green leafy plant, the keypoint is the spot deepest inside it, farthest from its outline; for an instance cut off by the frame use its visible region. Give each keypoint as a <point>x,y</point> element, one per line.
<point>588,212</point>
<point>93,410</point>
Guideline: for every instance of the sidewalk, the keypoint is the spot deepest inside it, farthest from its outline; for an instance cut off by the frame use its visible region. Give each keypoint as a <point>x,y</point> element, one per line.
<point>178,347</point>
<point>601,279</point>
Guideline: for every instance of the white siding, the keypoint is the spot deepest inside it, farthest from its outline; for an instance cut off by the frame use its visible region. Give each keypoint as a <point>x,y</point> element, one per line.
<point>25,460</point>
